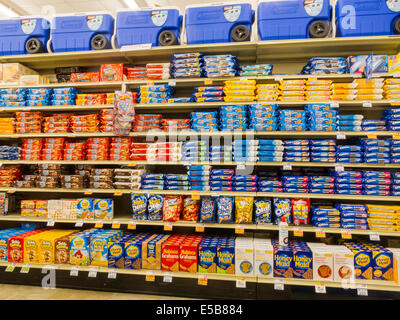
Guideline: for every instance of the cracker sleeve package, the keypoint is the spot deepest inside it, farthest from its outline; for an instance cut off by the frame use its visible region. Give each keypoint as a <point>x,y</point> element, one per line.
<point>172,208</point>
<point>207,209</point>
<point>191,209</point>
<point>225,209</point>
<point>244,209</point>
<point>282,210</point>
<point>124,113</point>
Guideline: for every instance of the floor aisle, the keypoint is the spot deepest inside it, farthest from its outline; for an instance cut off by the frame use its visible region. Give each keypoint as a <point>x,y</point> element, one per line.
<point>14,292</point>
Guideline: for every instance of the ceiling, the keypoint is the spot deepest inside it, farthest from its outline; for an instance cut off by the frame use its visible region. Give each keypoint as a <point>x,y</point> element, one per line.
<point>48,8</point>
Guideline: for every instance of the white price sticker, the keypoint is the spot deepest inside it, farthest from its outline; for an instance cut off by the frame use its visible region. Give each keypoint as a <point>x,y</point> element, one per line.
<point>278,78</point>
<point>240,283</point>
<point>51,223</point>
<point>340,136</point>
<point>362,290</point>
<point>172,83</point>
<point>112,274</point>
<point>74,272</point>
<point>374,236</point>
<point>79,223</point>
<point>339,168</point>
<point>135,47</point>
<point>92,273</point>
<point>279,285</point>
<point>396,75</point>
<point>320,288</point>
<point>334,104</point>
<point>287,166</point>
<point>283,234</point>
<point>241,167</point>
<point>214,194</point>
<point>367,104</point>
<point>167,277</point>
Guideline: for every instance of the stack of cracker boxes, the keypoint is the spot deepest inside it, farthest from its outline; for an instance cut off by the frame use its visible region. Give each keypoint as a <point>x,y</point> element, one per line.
<point>18,74</point>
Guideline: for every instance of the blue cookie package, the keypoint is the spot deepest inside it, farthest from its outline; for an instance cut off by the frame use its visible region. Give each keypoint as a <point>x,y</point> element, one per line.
<point>282,210</point>
<point>139,207</point>
<point>262,210</point>
<point>155,207</point>
<point>207,209</point>
<point>225,209</point>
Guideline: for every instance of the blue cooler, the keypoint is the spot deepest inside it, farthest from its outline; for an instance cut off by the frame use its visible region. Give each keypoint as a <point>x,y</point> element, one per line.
<point>294,19</point>
<point>23,36</point>
<point>81,32</point>
<point>219,23</point>
<point>158,27</point>
<point>368,17</point>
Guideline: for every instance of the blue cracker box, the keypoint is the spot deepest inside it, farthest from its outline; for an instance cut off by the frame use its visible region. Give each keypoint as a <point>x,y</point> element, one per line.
<point>362,262</point>
<point>382,264</point>
<point>103,209</point>
<point>85,208</point>
<point>283,261</point>
<point>302,263</point>
<point>207,262</point>
<point>133,251</point>
<point>116,251</point>
<point>226,258</point>
<point>139,206</point>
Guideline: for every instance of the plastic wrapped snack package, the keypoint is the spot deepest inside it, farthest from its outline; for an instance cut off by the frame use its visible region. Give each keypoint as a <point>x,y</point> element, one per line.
<point>124,113</point>
<point>225,209</point>
<point>244,209</point>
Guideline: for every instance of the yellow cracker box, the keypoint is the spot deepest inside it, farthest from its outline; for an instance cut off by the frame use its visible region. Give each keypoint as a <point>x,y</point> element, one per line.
<point>31,246</point>
<point>151,252</point>
<point>396,263</point>
<point>47,245</point>
<point>372,208</point>
<point>13,71</point>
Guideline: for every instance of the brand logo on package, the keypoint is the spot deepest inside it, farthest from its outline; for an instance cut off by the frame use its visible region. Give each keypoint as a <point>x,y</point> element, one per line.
<point>94,22</point>
<point>232,13</point>
<point>28,25</point>
<point>159,17</point>
<point>393,5</point>
<point>313,7</point>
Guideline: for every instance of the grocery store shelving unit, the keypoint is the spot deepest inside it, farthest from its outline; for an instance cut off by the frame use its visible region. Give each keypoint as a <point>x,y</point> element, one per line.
<point>291,52</point>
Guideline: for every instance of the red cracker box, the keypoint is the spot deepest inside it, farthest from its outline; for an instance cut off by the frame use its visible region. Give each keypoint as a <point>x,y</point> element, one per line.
<point>85,77</point>
<point>170,253</point>
<point>16,246</point>
<point>112,72</point>
<point>188,254</point>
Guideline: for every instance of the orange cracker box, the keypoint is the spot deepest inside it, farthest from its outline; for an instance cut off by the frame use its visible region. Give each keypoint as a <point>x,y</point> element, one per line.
<point>112,72</point>
<point>47,242</point>
<point>41,208</point>
<point>151,252</point>
<point>170,253</point>
<point>188,254</point>
<point>85,77</point>
<point>16,246</point>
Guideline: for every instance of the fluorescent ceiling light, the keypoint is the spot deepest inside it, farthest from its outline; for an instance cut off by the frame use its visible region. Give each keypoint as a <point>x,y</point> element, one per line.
<point>7,11</point>
<point>131,4</point>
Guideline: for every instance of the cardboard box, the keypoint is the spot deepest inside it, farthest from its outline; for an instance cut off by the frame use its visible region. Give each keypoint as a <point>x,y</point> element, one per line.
<point>13,71</point>
<point>263,258</point>
<point>189,253</point>
<point>396,264</point>
<point>343,263</point>
<point>244,257</point>
<point>151,252</point>
<point>394,64</point>
<point>133,251</point>
<point>103,209</point>
<point>170,253</point>
<point>207,262</point>
<point>323,265</point>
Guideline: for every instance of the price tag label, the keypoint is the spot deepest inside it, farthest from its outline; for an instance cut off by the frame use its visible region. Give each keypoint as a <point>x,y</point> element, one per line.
<point>340,136</point>
<point>298,232</point>
<point>396,136</point>
<point>172,83</point>
<point>118,193</point>
<point>112,274</point>
<point>11,191</point>
<point>25,268</point>
<point>362,290</point>
<point>334,104</point>
<point>88,193</point>
<point>167,277</point>
<point>395,103</point>
<point>150,83</point>
<point>195,196</point>
<point>239,230</point>
<point>132,225</point>
<point>10,268</point>
<point>132,164</point>
<point>74,272</point>
<point>367,104</point>
<point>168,226</point>
<point>339,168</point>
<point>116,225</point>
<point>200,227</point>
<point>214,194</point>
<point>241,167</point>
<point>240,283</point>
<point>92,273</point>
<point>279,285</point>
<point>99,224</point>
<point>374,236</point>
<point>208,81</point>
<point>79,223</point>
<point>202,280</point>
<point>396,75</point>
<point>320,287</point>
<point>150,276</point>
<point>51,223</point>
<point>135,47</point>
<point>346,235</point>
<point>278,78</point>
<point>287,166</point>
<point>319,233</point>
<point>372,136</point>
